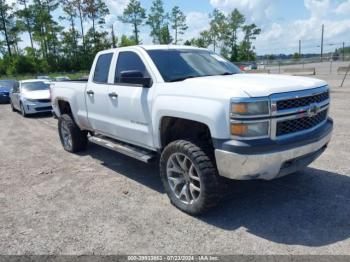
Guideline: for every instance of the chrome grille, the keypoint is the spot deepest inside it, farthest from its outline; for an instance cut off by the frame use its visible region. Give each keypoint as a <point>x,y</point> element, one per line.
<point>298,111</point>
<point>300,124</point>
<point>302,101</point>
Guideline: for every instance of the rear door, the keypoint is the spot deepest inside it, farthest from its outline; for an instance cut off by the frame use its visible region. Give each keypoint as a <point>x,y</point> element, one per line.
<point>129,104</point>
<point>96,95</point>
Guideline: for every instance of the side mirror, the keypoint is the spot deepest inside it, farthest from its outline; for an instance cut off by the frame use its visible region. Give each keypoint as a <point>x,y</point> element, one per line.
<point>135,77</point>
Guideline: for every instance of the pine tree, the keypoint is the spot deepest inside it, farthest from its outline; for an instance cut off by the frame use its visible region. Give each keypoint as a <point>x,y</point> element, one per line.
<point>135,15</point>
<point>157,19</point>
<point>178,22</point>
<point>6,23</point>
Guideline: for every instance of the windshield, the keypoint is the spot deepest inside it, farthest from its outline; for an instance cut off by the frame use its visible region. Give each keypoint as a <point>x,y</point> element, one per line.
<point>8,84</point>
<point>180,64</point>
<point>35,86</point>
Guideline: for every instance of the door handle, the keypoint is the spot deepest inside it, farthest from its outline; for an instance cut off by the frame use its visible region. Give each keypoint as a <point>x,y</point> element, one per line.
<point>113,95</point>
<point>90,92</point>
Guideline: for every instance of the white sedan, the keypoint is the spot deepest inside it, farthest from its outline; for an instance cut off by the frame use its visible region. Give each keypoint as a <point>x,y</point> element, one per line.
<point>31,97</point>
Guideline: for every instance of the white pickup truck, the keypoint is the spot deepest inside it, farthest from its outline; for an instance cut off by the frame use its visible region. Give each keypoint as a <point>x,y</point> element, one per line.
<point>206,120</point>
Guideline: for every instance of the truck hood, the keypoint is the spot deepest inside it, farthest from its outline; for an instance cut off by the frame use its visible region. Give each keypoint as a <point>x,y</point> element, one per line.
<point>39,94</point>
<point>257,85</point>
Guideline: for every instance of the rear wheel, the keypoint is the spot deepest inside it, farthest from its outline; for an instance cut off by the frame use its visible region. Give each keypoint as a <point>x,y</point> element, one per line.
<point>189,177</point>
<point>72,138</point>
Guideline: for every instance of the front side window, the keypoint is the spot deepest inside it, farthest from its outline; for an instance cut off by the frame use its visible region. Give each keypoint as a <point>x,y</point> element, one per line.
<point>180,64</point>
<point>35,86</point>
<point>129,61</point>
<point>102,68</point>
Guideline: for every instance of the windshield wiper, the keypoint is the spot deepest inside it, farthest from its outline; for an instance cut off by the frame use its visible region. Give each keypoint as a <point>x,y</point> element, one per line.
<point>227,74</point>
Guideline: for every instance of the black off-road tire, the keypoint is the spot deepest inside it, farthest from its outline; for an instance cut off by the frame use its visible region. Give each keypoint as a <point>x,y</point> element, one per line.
<point>79,140</point>
<point>210,182</point>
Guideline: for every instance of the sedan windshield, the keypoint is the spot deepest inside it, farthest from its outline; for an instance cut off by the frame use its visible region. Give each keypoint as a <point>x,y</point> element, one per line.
<point>35,86</point>
<point>180,64</point>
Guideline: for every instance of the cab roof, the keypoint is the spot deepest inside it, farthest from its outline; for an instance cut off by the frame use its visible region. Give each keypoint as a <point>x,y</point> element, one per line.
<point>154,47</point>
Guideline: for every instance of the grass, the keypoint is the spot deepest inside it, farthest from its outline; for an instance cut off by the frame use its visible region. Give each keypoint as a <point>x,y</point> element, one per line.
<point>72,76</point>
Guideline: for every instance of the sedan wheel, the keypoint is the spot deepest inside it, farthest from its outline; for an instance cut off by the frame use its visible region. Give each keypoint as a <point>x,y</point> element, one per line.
<point>23,111</point>
<point>12,107</point>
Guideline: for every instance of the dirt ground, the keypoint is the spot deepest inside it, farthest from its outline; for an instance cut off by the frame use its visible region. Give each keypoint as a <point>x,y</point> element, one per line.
<point>101,202</point>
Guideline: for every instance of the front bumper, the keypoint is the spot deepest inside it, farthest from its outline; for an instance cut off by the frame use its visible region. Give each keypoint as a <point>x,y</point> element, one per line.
<point>4,98</point>
<point>36,107</point>
<point>270,165</point>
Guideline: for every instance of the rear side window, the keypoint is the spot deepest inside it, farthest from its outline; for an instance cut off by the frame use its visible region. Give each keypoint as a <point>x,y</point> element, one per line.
<point>129,61</point>
<point>102,68</point>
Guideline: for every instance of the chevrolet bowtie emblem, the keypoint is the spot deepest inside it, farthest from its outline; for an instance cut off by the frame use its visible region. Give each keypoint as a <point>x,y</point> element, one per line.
<point>313,110</point>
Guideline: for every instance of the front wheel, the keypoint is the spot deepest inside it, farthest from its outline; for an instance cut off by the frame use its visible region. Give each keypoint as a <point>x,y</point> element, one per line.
<point>12,107</point>
<point>72,138</point>
<point>189,177</point>
<point>23,111</point>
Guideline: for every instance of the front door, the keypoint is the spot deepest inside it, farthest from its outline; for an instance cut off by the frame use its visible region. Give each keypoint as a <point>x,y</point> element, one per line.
<point>129,104</point>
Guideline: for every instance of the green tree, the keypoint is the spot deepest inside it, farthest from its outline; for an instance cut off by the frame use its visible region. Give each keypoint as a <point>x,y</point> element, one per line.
<point>126,41</point>
<point>6,23</point>
<point>157,20</point>
<point>235,21</point>
<point>134,14</point>
<point>217,26</point>
<point>165,37</point>
<point>296,56</point>
<point>79,5</point>
<point>246,49</point>
<point>71,15</point>
<point>28,19</point>
<point>96,10</point>
<point>113,38</point>
<point>52,27</point>
<point>178,22</point>
<point>45,29</point>
<point>206,37</point>
<point>202,41</point>
<point>14,37</point>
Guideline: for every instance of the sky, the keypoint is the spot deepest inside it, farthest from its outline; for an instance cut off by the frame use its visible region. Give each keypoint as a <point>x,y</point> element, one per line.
<point>283,22</point>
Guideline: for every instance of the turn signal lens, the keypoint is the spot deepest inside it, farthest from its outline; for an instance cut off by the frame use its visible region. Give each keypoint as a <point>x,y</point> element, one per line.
<point>240,108</point>
<point>251,129</point>
<point>238,129</point>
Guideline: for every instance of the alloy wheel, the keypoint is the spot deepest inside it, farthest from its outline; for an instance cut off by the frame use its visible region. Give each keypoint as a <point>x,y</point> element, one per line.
<point>183,178</point>
<point>66,135</point>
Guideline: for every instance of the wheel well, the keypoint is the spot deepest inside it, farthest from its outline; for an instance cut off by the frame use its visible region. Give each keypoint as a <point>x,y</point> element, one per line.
<point>173,128</point>
<point>64,107</point>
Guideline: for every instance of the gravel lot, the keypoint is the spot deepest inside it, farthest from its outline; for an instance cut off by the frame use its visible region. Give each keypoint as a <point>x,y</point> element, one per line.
<point>101,202</point>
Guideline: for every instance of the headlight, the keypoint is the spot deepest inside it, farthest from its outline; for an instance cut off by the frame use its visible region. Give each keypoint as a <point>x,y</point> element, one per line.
<point>250,129</point>
<point>30,100</point>
<point>254,108</point>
